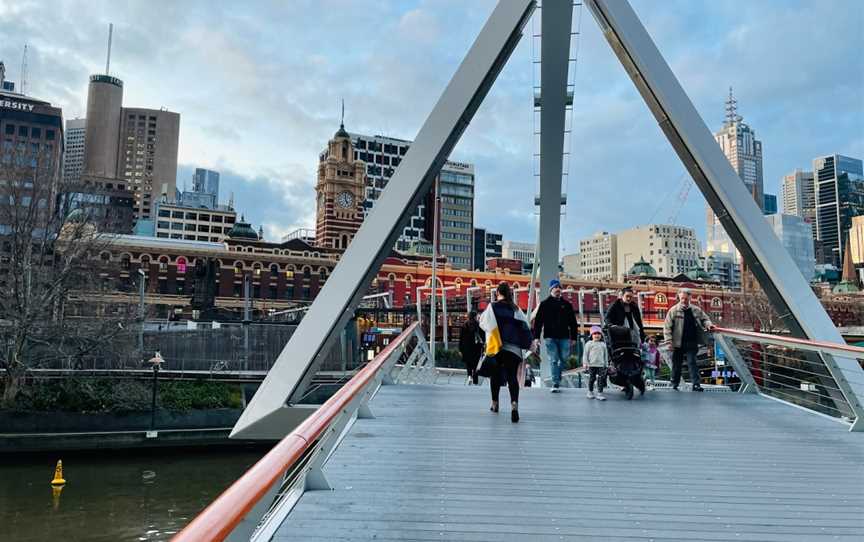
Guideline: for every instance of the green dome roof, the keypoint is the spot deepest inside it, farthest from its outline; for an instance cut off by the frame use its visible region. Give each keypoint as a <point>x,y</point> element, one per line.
<point>242,230</point>
<point>341,132</point>
<point>697,273</point>
<point>845,287</point>
<point>642,269</point>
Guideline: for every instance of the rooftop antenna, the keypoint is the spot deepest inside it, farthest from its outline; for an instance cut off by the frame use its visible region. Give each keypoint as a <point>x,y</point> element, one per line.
<point>108,60</point>
<point>24,70</point>
<point>732,115</point>
<point>342,118</point>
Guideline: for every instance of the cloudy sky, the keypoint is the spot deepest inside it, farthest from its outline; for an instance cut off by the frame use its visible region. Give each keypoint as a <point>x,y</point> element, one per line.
<point>258,86</point>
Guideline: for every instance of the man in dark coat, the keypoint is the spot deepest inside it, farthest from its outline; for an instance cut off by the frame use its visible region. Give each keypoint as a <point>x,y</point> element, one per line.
<point>625,312</point>
<point>556,323</point>
<point>471,341</point>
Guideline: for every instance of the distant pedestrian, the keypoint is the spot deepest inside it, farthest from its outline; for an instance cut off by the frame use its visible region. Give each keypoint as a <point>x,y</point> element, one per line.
<point>471,342</point>
<point>529,375</point>
<point>684,330</point>
<point>556,323</point>
<point>507,336</point>
<point>596,358</point>
<point>650,360</point>
<point>625,312</point>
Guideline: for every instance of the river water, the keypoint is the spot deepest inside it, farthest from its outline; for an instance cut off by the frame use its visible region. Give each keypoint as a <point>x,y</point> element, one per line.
<point>114,496</point>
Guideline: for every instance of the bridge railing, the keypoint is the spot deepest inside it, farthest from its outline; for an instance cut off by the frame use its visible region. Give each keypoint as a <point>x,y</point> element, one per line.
<point>254,506</point>
<point>799,372</point>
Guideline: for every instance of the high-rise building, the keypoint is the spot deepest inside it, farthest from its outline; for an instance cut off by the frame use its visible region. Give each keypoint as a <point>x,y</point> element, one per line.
<point>669,249</point>
<point>796,236</point>
<point>206,181</point>
<point>73,150</point>
<point>341,190</point>
<point>839,197</point>
<point>524,252</point>
<point>137,147</point>
<point>486,245</point>
<point>456,216</point>
<point>599,257</point>
<point>769,204</point>
<point>799,196</point>
<point>102,136</point>
<point>382,155</point>
<point>738,142</point>
<point>32,147</point>
<point>148,155</point>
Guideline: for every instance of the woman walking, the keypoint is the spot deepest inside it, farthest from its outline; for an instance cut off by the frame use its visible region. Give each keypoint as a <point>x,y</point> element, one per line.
<point>507,335</point>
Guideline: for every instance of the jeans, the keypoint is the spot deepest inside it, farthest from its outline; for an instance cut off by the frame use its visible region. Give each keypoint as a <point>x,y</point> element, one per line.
<point>559,351</point>
<point>598,375</point>
<point>678,360</point>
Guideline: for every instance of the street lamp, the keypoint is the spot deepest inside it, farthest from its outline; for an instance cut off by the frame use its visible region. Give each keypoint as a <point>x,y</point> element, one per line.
<point>141,282</point>
<point>156,361</point>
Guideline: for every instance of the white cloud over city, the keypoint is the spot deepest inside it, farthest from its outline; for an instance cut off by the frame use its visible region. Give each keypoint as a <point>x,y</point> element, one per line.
<point>258,87</point>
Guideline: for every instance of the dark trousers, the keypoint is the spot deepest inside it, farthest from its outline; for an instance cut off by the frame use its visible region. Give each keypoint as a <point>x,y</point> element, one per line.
<point>471,368</point>
<point>598,375</point>
<point>678,360</point>
<point>508,364</point>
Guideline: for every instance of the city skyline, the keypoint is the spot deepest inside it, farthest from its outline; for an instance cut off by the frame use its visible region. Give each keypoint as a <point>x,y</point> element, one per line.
<point>247,98</point>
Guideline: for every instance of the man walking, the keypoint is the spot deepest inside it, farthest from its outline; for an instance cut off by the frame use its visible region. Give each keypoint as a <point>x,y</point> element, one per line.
<point>684,330</point>
<point>471,343</point>
<point>556,323</point>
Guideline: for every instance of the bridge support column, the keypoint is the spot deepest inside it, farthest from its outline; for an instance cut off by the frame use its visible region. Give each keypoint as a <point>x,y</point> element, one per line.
<point>748,384</point>
<point>556,24</point>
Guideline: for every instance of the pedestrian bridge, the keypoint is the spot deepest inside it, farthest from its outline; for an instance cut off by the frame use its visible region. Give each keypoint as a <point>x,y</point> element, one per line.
<point>395,456</point>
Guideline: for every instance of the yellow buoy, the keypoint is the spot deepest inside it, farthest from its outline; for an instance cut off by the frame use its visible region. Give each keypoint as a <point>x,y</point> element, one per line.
<point>58,475</point>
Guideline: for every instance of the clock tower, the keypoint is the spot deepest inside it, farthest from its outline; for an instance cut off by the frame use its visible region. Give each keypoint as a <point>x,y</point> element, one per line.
<point>340,192</point>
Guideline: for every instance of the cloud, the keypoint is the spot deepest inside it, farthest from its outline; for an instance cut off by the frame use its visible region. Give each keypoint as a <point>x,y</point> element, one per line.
<point>258,87</point>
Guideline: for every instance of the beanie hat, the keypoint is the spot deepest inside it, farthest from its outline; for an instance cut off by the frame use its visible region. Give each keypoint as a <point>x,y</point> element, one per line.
<point>554,283</point>
<point>596,329</point>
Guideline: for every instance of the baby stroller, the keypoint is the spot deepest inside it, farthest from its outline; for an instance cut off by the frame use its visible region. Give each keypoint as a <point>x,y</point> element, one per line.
<point>625,369</point>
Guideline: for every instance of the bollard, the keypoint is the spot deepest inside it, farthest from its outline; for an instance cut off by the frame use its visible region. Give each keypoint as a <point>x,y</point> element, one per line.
<point>58,474</point>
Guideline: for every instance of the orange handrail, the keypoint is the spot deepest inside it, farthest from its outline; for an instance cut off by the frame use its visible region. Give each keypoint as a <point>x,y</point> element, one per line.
<point>755,335</point>
<point>222,516</point>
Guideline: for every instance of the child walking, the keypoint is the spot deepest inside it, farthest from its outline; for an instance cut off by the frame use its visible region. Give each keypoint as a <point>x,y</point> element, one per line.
<point>596,358</point>
<point>651,360</point>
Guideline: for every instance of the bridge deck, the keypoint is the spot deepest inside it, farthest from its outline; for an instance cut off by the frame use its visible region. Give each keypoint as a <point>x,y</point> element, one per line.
<point>435,464</point>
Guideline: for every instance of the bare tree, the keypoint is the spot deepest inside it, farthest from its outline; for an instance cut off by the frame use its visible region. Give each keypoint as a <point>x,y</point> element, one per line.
<point>48,251</point>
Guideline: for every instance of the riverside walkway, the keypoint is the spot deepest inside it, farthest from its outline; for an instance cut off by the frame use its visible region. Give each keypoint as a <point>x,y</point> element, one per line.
<point>435,464</point>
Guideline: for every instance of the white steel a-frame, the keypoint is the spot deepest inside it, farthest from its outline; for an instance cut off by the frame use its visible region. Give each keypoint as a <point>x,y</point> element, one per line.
<point>272,413</point>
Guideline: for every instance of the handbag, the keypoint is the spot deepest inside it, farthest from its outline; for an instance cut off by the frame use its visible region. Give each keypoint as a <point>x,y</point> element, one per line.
<point>487,366</point>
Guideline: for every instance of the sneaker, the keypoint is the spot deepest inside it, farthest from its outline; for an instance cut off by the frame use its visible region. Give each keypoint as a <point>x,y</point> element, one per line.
<point>697,388</point>
<point>589,395</point>
<point>601,397</point>
<point>675,388</point>
<point>555,389</point>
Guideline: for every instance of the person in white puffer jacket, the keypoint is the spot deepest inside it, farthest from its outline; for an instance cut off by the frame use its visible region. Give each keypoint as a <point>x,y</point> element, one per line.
<point>596,358</point>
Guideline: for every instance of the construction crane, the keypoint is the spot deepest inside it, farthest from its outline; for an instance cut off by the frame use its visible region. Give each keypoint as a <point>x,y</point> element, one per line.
<point>682,199</point>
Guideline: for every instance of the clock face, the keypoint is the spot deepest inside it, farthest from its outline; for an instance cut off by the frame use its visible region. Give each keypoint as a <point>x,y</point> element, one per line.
<point>345,199</point>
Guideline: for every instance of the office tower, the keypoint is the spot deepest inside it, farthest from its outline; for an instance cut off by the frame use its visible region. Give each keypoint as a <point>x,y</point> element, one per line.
<point>769,205</point>
<point>839,197</point>
<point>738,142</point>
<point>73,150</point>
<point>206,181</point>
<point>486,245</point>
<point>796,236</point>
<point>102,134</point>
<point>799,197</point>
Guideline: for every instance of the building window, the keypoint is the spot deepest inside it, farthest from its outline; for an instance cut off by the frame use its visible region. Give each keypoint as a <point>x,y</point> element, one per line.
<point>306,293</point>
<point>289,292</point>
<point>181,265</point>
<point>272,292</point>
